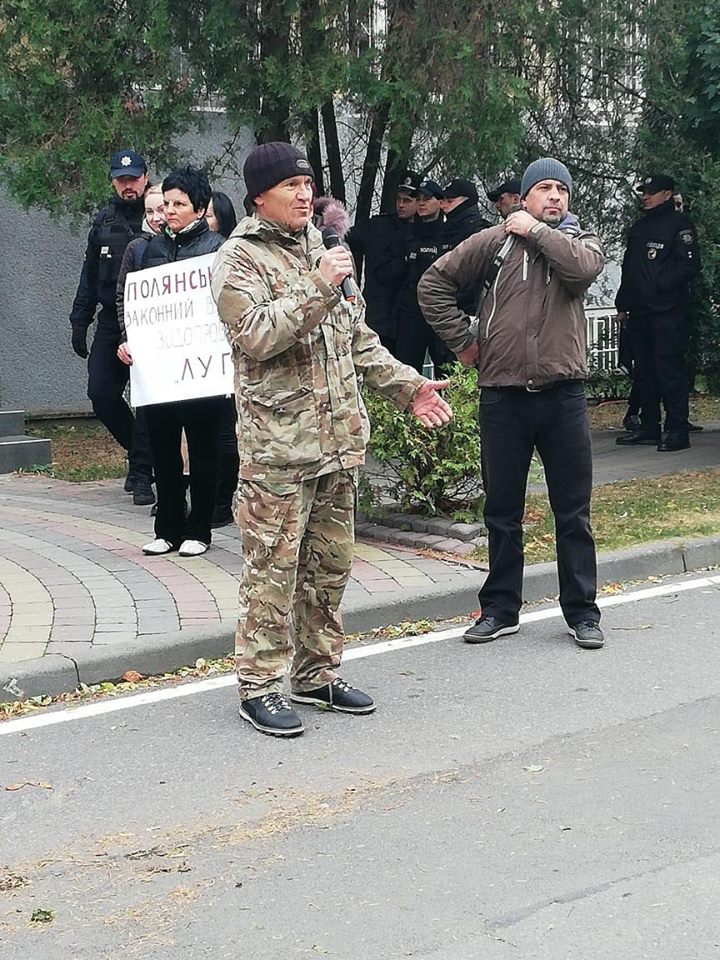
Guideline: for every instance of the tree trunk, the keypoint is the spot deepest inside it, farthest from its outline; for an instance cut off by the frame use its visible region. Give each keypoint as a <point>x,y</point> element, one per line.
<point>274,44</point>
<point>332,144</point>
<point>312,145</point>
<point>371,163</point>
<point>396,166</point>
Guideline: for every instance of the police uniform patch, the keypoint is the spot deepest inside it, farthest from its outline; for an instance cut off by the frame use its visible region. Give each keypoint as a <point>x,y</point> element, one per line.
<point>652,253</point>
<point>686,236</point>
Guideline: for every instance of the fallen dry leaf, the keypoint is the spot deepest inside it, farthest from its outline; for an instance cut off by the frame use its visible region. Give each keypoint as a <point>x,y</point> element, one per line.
<point>29,783</point>
<point>132,676</point>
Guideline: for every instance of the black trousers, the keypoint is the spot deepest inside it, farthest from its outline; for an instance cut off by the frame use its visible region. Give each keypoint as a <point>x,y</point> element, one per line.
<point>513,423</point>
<point>200,419</point>
<point>659,345</point>
<point>414,338</point>
<point>228,459</point>
<point>107,379</point>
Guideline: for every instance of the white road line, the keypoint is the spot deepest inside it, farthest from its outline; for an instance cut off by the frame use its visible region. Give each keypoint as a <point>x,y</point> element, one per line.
<point>353,653</point>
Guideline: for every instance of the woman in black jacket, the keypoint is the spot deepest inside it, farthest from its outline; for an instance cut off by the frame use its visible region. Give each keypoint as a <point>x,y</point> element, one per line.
<point>186,192</point>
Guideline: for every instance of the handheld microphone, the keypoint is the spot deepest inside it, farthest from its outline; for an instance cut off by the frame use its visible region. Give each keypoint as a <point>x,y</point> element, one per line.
<point>330,240</point>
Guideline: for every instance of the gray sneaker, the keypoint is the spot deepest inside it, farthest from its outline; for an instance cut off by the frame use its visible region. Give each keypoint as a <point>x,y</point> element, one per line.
<point>489,628</point>
<point>588,635</point>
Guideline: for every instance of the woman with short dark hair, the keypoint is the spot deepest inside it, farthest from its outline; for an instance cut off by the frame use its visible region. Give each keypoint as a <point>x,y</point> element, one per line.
<point>186,192</point>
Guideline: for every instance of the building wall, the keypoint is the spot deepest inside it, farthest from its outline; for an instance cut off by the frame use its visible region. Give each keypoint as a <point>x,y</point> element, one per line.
<point>39,271</point>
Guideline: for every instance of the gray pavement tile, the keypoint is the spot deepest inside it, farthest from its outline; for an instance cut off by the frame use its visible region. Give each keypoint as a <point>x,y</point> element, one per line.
<point>67,648</point>
<point>66,589</point>
<point>150,595</point>
<point>157,624</point>
<point>114,638</point>
<point>466,531</point>
<point>432,540</point>
<point>115,624</point>
<point>450,545</point>
<point>74,632</point>
<point>72,619</point>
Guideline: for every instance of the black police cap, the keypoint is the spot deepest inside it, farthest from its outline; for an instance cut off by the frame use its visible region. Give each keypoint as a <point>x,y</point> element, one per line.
<point>655,182</point>
<point>507,186</point>
<point>127,163</point>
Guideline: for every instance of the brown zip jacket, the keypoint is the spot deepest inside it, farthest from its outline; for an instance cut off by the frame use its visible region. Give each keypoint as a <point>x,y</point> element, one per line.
<point>531,328</point>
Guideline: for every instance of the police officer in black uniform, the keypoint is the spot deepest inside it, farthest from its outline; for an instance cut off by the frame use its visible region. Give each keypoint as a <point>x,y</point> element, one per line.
<point>462,214</point>
<point>660,263</point>
<point>415,336</point>
<point>113,227</point>
<point>462,220</point>
<point>506,197</point>
<point>382,243</point>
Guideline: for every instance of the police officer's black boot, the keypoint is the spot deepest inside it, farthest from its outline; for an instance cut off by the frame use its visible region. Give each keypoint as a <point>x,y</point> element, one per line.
<point>674,440</point>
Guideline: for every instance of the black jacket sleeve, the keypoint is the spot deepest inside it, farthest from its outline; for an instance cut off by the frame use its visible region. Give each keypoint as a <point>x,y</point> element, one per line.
<point>85,303</point>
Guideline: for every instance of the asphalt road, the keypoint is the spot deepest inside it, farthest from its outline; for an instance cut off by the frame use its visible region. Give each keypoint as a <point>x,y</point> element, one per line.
<point>521,800</point>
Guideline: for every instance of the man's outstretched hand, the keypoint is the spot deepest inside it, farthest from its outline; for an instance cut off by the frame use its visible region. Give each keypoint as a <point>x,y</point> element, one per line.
<point>429,407</point>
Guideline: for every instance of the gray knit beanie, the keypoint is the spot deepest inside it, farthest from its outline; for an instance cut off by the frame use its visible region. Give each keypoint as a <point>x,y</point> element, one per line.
<point>271,163</point>
<point>545,169</point>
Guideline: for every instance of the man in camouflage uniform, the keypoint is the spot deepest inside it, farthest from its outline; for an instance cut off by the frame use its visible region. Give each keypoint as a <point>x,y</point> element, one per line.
<point>299,350</point>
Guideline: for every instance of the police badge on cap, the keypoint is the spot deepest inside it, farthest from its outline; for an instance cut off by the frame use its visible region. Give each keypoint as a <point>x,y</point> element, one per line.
<point>409,184</point>
<point>127,163</point>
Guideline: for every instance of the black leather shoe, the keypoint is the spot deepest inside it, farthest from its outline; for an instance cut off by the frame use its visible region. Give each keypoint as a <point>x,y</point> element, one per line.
<point>695,427</point>
<point>588,635</point>
<point>272,714</point>
<point>674,441</point>
<point>638,439</point>
<point>489,628</point>
<point>129,483</point>
<point>338,695</point>
<point>143,495</point>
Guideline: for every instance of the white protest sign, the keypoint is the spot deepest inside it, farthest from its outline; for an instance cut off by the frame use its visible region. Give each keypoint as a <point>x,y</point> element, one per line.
<point>175,336</point>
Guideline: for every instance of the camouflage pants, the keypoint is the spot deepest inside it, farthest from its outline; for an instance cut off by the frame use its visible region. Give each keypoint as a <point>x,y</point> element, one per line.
<point>298,550</point>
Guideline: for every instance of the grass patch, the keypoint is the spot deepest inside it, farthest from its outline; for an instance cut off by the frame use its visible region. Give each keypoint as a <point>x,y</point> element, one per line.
<point>82,450</point>
<point>632,512</point>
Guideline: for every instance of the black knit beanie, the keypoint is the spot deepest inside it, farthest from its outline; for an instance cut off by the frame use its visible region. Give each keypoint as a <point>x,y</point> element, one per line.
<point>271,163</point>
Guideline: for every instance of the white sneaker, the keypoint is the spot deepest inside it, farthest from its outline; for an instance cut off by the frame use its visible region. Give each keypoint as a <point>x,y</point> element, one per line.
<point>158,547</point>
<point>192,548</point>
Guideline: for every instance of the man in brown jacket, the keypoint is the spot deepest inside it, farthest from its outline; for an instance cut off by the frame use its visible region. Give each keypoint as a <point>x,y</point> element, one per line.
<point>528,345</point>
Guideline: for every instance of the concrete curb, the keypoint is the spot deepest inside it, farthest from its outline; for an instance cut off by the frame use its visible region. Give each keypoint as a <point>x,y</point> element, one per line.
<point>163,653</point>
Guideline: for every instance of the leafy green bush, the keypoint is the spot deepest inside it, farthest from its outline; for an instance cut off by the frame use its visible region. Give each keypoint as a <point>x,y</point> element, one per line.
<point>602,385</point>
<point>425,471</point>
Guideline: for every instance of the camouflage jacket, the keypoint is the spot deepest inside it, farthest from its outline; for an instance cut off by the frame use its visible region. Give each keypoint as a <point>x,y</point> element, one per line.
<point>300,355</point>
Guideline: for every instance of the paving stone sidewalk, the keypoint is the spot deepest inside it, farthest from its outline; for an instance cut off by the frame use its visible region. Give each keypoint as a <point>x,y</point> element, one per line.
<point>73,579</point>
